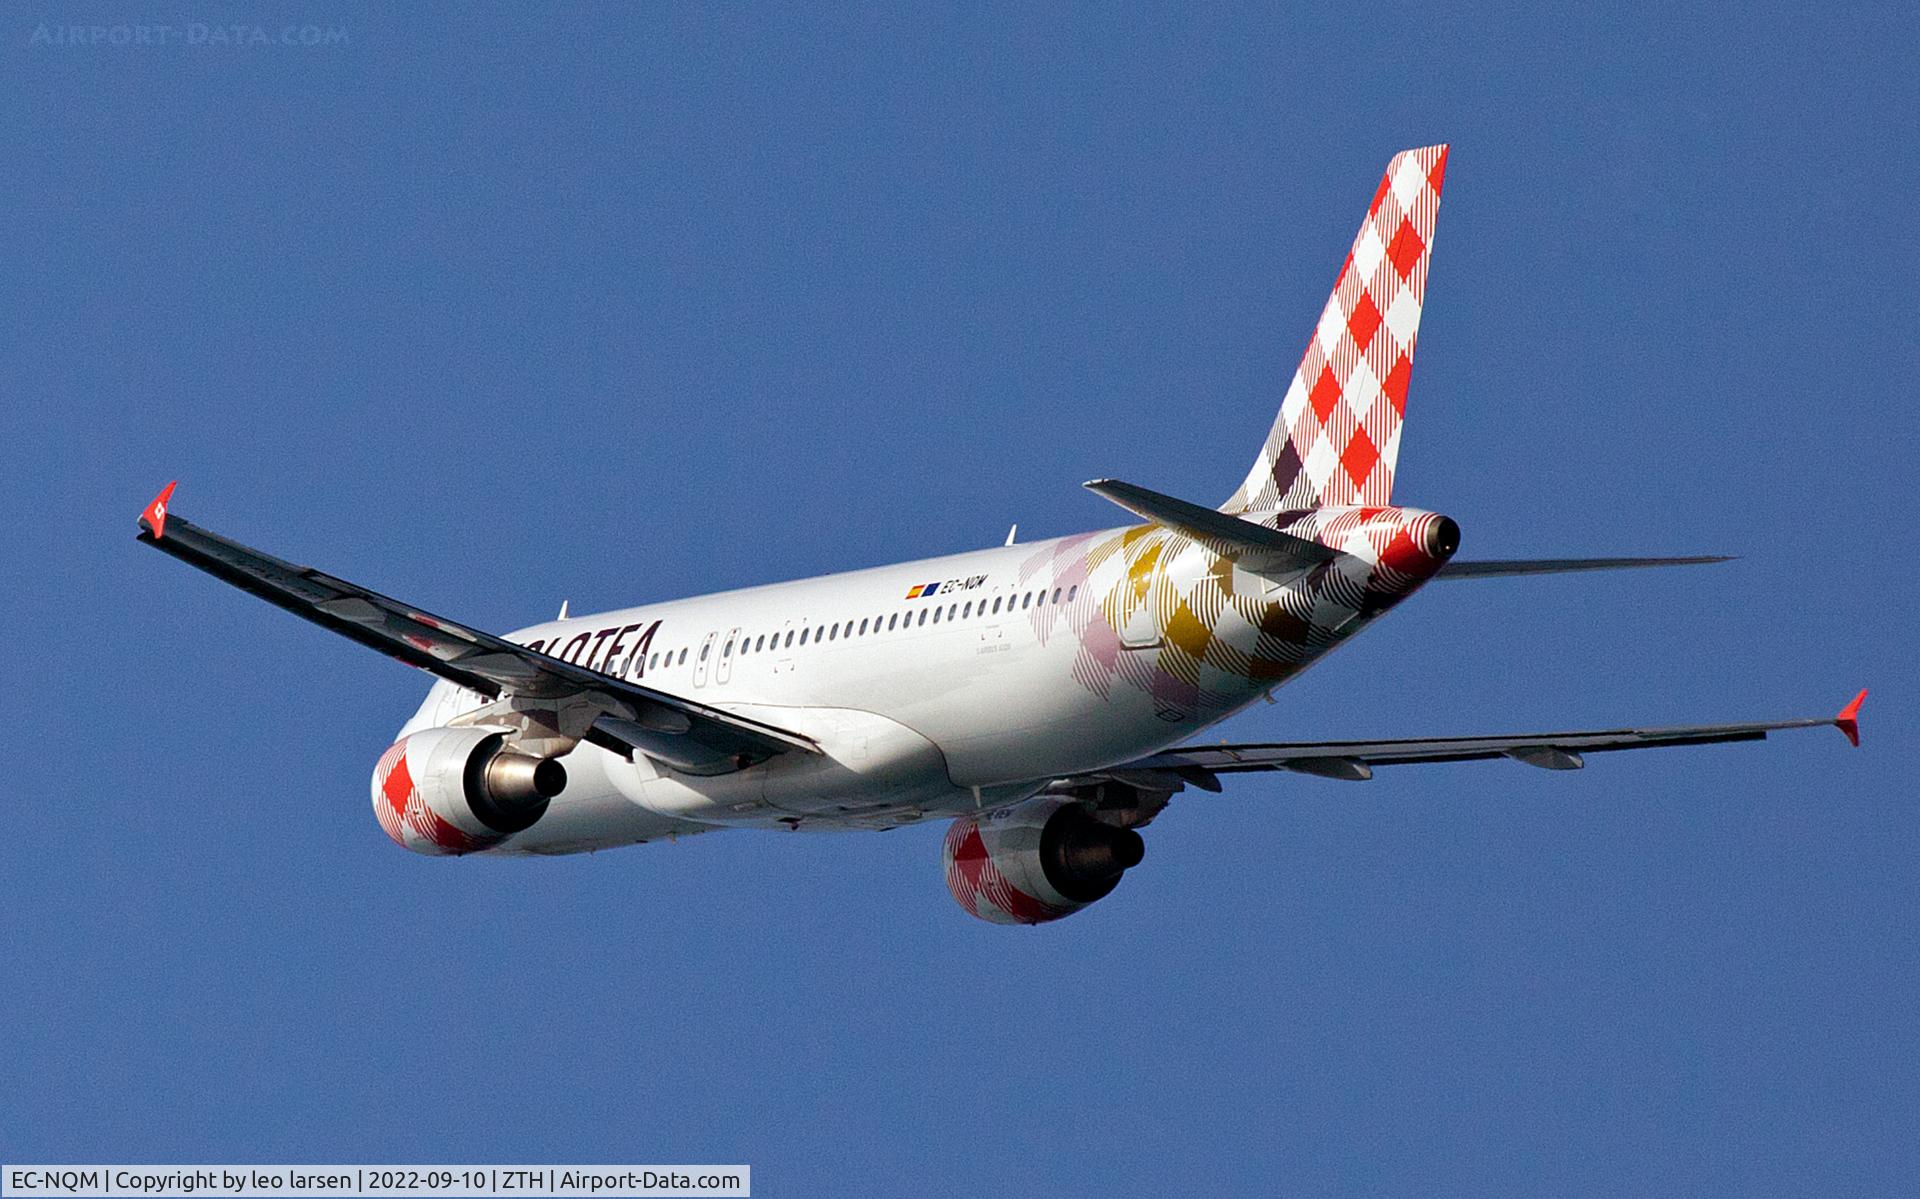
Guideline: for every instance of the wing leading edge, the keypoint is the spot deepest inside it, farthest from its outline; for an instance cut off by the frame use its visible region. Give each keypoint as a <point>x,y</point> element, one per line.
<point>556,699</point>
<point>1355,760</point>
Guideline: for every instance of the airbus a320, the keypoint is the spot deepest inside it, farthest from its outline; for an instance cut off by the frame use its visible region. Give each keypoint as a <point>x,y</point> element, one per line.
<point>1043,698</point>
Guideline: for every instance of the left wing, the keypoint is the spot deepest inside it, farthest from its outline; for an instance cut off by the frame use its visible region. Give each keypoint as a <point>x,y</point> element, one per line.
<point>558,701</point>
<point>1355,760</point>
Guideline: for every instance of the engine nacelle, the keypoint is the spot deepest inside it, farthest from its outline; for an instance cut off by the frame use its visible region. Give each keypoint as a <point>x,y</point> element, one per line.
<point>458,790</point>
<point>1036,861</point>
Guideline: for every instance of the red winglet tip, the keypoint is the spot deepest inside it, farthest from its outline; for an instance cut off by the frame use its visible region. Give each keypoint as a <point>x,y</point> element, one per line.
<point>1848,721</point>
<point>155,514</point>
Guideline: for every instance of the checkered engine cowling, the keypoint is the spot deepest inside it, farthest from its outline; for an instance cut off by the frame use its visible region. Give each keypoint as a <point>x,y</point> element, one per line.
<point>424,790</point>
<point>1035,861</point>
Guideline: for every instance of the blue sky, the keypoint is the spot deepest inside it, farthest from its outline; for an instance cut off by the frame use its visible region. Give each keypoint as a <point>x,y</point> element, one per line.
<point>489,309</point>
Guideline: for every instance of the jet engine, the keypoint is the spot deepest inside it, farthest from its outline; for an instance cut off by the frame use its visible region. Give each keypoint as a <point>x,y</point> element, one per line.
<point>1036,861</point>
<point>458,790</point>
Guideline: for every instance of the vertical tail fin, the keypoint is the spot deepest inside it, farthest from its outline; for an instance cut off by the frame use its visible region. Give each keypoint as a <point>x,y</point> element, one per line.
<point>1338,434</point>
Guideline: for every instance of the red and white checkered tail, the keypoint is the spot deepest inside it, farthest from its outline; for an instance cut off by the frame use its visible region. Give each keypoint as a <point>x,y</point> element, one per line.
<point>1338,434</point>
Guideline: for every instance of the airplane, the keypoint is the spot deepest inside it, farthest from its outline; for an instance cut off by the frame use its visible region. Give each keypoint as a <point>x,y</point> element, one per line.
<point>1042,697</point>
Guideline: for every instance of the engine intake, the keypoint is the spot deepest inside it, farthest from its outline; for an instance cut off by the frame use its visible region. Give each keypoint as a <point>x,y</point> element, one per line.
<point>460,790</point>
<point>1036,861</point>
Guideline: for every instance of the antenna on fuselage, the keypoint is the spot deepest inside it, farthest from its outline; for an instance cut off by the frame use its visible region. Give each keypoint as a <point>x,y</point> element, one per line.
<point>563,611</point>
<point>1011,532</point>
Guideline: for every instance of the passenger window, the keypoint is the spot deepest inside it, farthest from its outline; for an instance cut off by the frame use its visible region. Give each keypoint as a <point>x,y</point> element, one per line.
<point>760,642</point>
<point>1073,591</point>
<point>704,650</point>
<point>863,626</point>
<point>653,661</point>
<point>803,636</point>
<point>683,657</point>
<point>1026,601</point>
<point>936,616</point>
<point>967,610</point>
<point>893,622</point>
<point>726,651</point>
<point>951,609</point>
<point>1056,595</point>
<point>789,638</point>
<point>923,616</point>
<point>833,631</point>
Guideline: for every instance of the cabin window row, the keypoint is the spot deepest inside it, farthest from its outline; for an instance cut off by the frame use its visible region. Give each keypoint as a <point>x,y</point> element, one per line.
<point>818,634</point>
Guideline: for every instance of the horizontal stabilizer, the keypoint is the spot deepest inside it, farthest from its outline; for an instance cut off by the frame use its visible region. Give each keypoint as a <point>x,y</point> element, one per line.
<point>1555,566</point>
<point>1256,548</point>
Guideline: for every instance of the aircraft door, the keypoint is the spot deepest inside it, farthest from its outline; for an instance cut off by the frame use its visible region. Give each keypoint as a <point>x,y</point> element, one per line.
<point>993,630</point>
<point>1139,623</point>
<point>723,668</point>
<point>703,660</point>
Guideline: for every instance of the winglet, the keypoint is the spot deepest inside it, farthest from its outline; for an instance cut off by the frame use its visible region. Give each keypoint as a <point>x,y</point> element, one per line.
<point>1848,721</point>
<point>154,517</point>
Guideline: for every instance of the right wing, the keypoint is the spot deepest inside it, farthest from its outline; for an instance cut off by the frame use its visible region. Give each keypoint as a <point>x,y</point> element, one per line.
<point>568,702</point>
<point>1355,760</point>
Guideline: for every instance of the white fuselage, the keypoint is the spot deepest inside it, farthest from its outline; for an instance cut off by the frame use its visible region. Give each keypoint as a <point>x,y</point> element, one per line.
<point>932,687</point>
